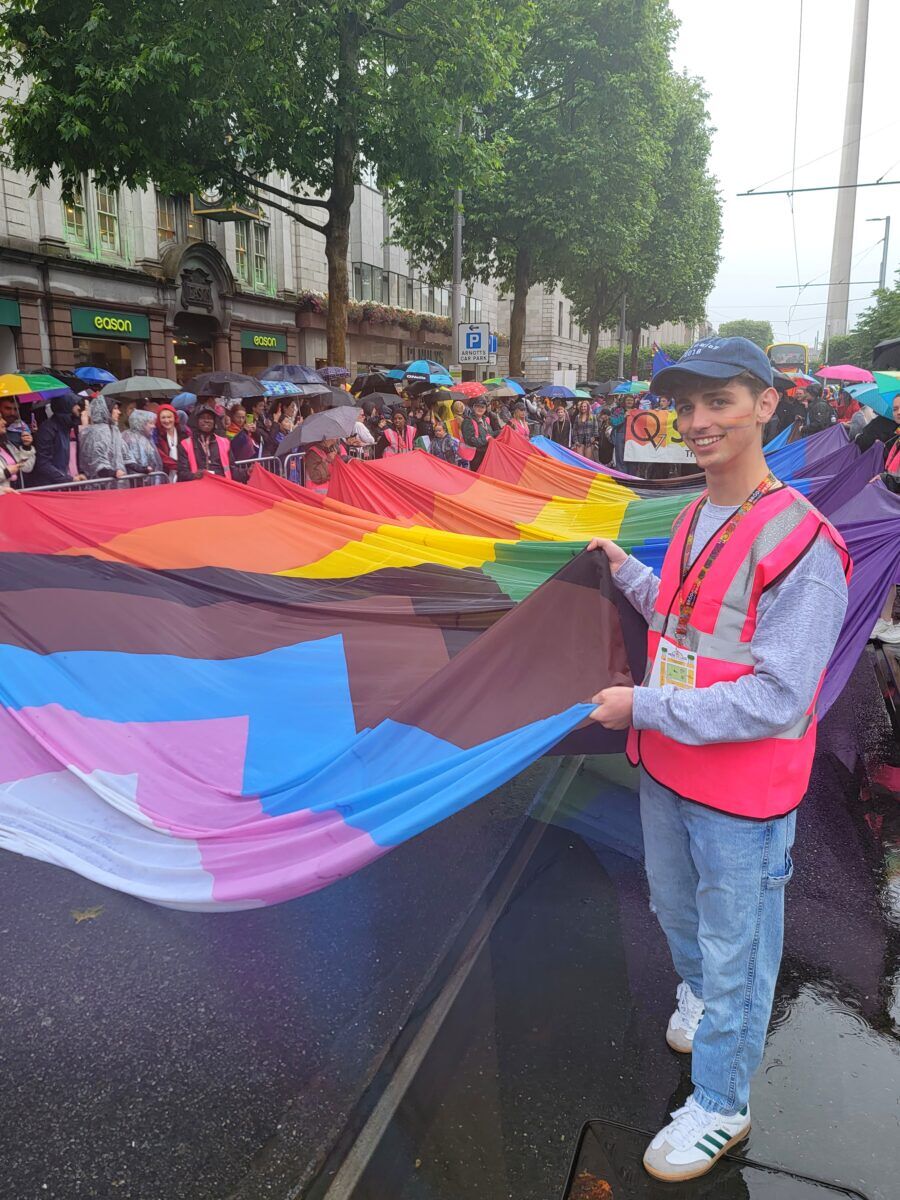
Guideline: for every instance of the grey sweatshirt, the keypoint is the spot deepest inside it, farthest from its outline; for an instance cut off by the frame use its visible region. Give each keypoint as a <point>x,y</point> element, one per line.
<point>798,622</point>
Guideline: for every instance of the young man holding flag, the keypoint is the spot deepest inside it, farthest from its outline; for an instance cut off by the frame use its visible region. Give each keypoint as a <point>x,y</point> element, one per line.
<point>742,624</point>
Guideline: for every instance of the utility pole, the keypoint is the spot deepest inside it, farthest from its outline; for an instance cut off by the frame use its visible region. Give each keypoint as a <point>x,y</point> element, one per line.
<point>622,337</point>
<point>456,286</point>
<point>882,274</point>
<point>842,247</point>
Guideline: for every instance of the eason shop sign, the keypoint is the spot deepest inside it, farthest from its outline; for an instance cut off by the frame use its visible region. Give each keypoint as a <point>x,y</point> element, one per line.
<point>98,322</point>
<point>258,339</point>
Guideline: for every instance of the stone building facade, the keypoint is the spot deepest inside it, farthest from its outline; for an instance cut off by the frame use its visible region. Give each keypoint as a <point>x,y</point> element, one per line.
<point>140,282</point>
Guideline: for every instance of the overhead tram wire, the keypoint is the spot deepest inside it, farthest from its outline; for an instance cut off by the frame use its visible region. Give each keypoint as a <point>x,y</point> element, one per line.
<point>819,158</point>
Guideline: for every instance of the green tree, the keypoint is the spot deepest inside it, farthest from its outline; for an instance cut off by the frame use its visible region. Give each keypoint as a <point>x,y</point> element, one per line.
<point>606,361</point>
<point>189,96</point>
<point>576,148</point>
<point>875,325</point>
<point>841,349</point>
<point>759,332</point>
<point>677,263</point>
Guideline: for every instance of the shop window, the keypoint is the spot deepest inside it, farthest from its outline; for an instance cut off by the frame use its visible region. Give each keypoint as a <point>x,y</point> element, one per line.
<point>242,250</point>
<point>260,255</point>
<point>75,218</point>
<point>194,226</point>
<point>166,219</point>
<point>110,355</point>
<point>108,220</point>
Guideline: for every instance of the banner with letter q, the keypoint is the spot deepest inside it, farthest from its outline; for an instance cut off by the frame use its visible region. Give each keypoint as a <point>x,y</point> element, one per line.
<point>651,436</point>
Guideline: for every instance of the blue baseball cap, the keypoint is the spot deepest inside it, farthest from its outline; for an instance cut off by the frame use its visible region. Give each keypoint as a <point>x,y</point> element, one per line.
<point>716,358</point>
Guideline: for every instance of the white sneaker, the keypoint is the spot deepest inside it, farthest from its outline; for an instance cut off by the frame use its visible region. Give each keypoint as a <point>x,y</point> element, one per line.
<point>694,1142</point>
<point>685,1020</point>
<point>885,631</point>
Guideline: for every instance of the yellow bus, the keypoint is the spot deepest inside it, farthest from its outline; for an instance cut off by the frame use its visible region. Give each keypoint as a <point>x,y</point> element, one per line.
<point>789,357</point>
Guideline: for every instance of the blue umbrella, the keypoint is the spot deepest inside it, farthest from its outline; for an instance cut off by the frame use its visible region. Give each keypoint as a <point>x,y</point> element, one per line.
<point>879,402</point>
<point>281,387</point>
<point>183,401</point>
<point>555,391</point>
<point>424,369</point>
<point>95,375</point>
<point>293,373</point>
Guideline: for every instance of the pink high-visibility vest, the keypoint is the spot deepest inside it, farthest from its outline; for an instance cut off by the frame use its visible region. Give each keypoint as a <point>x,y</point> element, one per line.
<point>893,459</point>
<point>397,446</point>
<point>764,778</point>
<point>224,454</point>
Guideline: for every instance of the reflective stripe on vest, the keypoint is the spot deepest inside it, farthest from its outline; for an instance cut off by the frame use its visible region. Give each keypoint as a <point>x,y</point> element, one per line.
<point>224,454</point>
<point>393,440</point>
<point>763,778</point>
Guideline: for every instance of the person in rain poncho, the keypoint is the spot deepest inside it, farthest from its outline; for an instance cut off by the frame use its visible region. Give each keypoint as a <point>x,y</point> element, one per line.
<point>101,452</point>
<point>141,455</point>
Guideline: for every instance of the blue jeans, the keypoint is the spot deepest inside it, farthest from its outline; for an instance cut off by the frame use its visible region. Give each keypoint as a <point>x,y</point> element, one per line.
<point>717,886</point>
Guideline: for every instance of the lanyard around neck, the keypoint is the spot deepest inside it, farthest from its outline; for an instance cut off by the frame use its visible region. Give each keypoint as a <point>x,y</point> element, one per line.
<point>688,602</point>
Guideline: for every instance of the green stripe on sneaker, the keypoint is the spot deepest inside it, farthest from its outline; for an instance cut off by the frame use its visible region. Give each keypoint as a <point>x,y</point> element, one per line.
<point>706,1150</point>
<point>712,1140</point>
<point>722,1133</point>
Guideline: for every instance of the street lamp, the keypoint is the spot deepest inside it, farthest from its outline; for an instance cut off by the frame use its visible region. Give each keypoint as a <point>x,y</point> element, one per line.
<point>882,276</point>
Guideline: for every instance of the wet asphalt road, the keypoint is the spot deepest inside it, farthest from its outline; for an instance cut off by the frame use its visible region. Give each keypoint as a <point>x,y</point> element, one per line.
<point>155,1055</point>
<point>147,1054</point>
<point>563,1017</point>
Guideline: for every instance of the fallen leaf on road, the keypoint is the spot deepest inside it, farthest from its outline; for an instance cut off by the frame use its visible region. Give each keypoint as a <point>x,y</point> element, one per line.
<point>86,914</point>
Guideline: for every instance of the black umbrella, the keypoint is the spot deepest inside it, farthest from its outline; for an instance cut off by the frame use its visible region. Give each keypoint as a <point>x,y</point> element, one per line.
<point>293,373</point>
<point>67,378</point>
<point>335,423</point>
<point>379,400</point>
<point>374,381</point>
<point>329,397</point>
<point>227,384</point>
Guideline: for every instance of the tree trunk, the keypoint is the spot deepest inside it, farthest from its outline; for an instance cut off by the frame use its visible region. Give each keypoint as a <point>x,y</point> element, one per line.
<point>635,350</point>
<point>343,166</point>
<point>337,243</point>
<point>593,325</point>
<point>517,316</point>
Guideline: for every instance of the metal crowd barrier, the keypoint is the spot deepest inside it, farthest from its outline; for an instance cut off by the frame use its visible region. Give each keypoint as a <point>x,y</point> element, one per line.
<point>271,462</point>
<point>102,485</point>
<point>292,467</point>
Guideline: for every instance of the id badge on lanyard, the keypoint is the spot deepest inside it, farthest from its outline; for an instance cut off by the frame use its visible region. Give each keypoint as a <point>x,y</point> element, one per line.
<point>673,665</point>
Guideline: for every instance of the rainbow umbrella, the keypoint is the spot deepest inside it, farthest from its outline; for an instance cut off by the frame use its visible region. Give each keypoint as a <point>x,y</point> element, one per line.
<point>501,381</point>
<point>632,387</point>
<point>879,395</point>
<point>30,385</point>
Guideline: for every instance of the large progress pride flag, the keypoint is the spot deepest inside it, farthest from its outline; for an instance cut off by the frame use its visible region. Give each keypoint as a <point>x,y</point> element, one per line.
<point>219,696</point>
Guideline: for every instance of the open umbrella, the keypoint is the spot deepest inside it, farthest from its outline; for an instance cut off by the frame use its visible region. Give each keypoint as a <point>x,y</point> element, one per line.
<point>511,387</point>
<point>879,396</point>
<point>336,423</point>
<point>143,387</point>
<point>424,369</point>
<point>184,401</point>
<point>332,373</point>
<point>846,373</point>
<point>379,400</point>
<point>470,390</point>
<point>95,376</point>
<point>293,372</point>
<point>555,391</point>
<point>373,381</point>
<point>30,385</point>
<point>230,385</point>
<point>633,387</point>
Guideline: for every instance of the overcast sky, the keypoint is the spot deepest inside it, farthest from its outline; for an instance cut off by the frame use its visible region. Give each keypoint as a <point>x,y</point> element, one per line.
<point>747,54</point>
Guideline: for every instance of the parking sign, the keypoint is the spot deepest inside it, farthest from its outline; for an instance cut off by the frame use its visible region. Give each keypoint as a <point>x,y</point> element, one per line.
<point>474,342</point>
